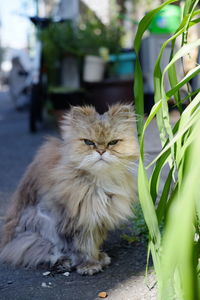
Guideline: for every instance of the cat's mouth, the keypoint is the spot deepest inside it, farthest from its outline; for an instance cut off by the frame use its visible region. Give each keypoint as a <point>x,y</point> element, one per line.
<point>101,160</point>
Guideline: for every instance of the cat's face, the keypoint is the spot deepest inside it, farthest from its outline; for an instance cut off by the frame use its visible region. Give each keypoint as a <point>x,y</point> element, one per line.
<point>100,142</point>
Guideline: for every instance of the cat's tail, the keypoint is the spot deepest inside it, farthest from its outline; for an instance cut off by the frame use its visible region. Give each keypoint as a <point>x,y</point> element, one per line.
<point>29,250</point>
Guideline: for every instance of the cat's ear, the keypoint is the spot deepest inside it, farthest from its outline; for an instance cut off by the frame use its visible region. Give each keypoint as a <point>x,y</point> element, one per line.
<point>121,111</point>
<point>77,115</point>
<point>79,112</point>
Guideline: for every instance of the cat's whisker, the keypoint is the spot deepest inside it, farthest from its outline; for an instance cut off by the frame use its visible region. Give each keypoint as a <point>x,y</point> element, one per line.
<point>128,162</point>
<point>128,166</point>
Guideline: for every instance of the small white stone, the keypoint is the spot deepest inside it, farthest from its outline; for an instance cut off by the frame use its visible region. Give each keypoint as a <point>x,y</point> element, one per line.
<point>44,285</point>
<point>66,274</point>
<point>46,273</point>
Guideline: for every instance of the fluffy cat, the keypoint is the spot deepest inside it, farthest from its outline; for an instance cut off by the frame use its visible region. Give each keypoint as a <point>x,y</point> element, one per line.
<point>75,190</point>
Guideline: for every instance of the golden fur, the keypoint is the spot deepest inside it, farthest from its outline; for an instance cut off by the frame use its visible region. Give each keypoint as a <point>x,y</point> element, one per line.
<point>76,189</point>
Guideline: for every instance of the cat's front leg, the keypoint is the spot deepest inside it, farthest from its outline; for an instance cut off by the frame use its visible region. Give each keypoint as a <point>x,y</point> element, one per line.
<point>92,259</point>
<point>91,266</point>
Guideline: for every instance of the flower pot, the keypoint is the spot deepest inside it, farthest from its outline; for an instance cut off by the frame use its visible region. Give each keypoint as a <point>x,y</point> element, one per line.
<point>122,65</point>
<point>94,68</point>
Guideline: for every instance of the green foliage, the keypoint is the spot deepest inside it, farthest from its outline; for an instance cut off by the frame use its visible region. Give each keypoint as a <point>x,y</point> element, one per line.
<point>138,231</point>
<point>87,37</point>
<point>59,40</point>
<point>93,34</point>
<point>174,249</point>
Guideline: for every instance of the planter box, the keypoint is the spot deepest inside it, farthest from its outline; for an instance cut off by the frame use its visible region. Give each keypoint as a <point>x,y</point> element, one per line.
<point>63,100</point>
<point>108,92</point>
<point>99,94</point>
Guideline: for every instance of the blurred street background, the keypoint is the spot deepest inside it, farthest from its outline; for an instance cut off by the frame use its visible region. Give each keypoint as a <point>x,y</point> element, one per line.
<point>57,53</point>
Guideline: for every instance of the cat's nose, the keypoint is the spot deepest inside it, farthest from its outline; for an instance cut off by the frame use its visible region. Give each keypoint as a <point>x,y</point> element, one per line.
<point>101,151</point>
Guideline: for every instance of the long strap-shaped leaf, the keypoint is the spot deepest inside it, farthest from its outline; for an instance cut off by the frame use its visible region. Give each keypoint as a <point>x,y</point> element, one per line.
<point>179,263</point>
<point>171,261</point>
<point>158,84</point>
<point>138,78</point>
<point>180,133</point>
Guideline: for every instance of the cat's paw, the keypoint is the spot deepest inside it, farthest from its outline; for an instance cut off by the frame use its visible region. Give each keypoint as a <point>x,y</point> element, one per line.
<point>104,259</point>
<point>89,268</point>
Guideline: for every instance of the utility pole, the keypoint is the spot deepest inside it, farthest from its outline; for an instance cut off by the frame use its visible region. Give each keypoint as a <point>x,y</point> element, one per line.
<point>69,10</point>
<point>37,7</point>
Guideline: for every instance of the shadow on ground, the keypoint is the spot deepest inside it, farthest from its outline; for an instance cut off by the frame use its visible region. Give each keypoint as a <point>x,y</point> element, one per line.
<point>22,284</point>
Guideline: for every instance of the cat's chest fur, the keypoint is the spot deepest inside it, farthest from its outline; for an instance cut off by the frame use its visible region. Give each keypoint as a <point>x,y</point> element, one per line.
<point>93,201</point>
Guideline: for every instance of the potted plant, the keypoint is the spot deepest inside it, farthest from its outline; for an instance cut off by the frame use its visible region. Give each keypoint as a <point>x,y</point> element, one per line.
<point>59,41</point>
<point>97,40</point>
<point>62,51</point>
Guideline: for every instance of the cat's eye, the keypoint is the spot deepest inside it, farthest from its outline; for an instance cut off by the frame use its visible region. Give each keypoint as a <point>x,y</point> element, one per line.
<point>112,143</point>
<point>89,142</point>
